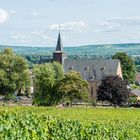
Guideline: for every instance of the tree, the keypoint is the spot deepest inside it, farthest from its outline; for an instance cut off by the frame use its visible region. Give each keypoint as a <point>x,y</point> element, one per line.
<point>72,86</point>
<point>128,66</point>
<point>132,100</point>
<point>113,89</point>
<point>46,78</point>
<point>14,73</point>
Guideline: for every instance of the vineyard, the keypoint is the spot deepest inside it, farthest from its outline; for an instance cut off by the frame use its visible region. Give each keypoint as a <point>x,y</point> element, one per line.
<point>42,123</point>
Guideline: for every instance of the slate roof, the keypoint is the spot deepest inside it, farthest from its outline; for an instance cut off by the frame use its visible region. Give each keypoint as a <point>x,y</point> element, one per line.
<point>59,46</point>
<point>136,92</point>
<point>92,69</point>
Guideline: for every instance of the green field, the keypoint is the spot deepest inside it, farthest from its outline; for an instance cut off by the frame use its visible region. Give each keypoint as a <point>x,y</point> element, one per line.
<point>41,123</point>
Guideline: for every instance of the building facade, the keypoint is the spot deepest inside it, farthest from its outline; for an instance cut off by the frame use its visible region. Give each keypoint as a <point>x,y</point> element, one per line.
<point>90,69</point>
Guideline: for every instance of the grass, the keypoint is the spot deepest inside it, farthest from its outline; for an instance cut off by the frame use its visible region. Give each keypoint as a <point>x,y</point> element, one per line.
<point>84,114</point>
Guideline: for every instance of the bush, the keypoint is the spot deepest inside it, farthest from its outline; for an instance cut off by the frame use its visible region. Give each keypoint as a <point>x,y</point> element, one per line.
<point>93,102</point>
<point>132,100</point>
<point>114,90</point>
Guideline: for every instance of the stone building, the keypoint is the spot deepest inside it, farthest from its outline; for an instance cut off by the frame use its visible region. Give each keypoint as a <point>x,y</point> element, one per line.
<point>90,69</point>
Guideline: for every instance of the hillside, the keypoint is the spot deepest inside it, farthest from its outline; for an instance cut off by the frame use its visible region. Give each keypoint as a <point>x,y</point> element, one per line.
<point>98,50</point>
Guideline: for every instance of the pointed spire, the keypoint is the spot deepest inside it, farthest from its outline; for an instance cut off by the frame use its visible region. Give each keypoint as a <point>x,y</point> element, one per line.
<point>59,46</point>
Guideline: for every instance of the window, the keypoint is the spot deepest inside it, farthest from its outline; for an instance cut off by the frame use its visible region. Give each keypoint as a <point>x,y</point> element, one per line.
<point>71,68</point>
<point>91,90</point>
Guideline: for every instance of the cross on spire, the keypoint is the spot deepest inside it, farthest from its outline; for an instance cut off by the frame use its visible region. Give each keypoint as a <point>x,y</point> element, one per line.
<point>59,27</point>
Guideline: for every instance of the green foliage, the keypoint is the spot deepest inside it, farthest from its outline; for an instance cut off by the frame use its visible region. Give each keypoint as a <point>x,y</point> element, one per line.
<point>14,73</point>
<point>113,89</point>
<point>72,86</point>
<point>132,100</point>
<point>138,68</point>
<point>22,123</point>
<point>46,78</point>
<point>128,66</point>
<point>134,86</point>
<point>93,102</point>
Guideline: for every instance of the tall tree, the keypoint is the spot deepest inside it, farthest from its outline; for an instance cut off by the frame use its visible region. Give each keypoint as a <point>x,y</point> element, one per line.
<point>72,86</point>
<point>14,73</point>
<point>46,78</point>
<point>128,66</point>
<point>113,89</point>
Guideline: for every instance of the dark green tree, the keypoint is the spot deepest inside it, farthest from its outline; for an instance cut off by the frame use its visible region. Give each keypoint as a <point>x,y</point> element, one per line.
<point>14,73</point>
<point>128,66</point>
<point>46,78</point>
<point>114,90</point>
<point>72,87</point>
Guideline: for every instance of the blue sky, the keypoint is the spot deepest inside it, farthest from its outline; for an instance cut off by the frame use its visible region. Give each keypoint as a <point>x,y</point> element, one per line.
<point>36,22</point>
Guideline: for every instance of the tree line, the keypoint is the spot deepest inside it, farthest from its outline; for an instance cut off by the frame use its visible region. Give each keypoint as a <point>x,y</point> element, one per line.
<point>54,86</point>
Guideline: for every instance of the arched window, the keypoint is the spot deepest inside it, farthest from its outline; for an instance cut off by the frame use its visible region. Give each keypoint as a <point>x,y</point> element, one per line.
<point>91,91</point>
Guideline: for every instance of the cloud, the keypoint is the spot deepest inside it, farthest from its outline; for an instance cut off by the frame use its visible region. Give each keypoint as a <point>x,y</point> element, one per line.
<point>109,27</point>
<point>20,36</point>
<point>124,20</point>
<point>32,37</point>
<point>69,26</point>
<point>3,16</point>
<point>116,24</point>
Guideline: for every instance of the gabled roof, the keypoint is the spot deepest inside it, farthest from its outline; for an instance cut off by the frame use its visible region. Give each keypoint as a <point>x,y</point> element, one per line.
<point>59,46</point>
<point>136,92</point>
<point>91,69</point>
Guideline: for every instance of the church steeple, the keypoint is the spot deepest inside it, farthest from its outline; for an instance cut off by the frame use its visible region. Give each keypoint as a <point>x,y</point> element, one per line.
<point>59,46</point>
<point>59,55</point>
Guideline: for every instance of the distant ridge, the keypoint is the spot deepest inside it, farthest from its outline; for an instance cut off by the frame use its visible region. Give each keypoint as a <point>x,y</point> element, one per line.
<point>120,44</point>
<point>98,50</point>
<point>117,44</point>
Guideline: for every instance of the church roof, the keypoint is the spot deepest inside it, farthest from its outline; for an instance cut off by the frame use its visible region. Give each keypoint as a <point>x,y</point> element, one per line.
<point>136,92</point>
<point>59,46</point>
<point>92,69</point>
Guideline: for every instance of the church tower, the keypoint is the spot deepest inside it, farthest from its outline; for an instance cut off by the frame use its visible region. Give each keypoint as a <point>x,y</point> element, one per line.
<point>59,55</point>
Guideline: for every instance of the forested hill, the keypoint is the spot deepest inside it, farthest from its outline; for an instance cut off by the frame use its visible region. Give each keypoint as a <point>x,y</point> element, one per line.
<point>98,50</point>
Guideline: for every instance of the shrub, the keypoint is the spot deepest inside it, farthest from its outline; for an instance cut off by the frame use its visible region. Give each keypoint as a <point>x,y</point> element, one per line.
<point>114,90</point>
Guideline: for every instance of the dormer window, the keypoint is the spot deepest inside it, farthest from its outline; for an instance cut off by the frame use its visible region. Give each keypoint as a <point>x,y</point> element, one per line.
<point>71,68</point>
<point>86,68</point>
<point>102,69</point>
<point>91,77</point>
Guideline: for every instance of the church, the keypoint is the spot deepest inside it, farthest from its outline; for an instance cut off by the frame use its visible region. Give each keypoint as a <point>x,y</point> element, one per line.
<point>91,70</point>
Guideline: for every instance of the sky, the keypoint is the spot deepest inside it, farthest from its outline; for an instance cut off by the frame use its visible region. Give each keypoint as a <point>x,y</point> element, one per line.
<point>82,22</point>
